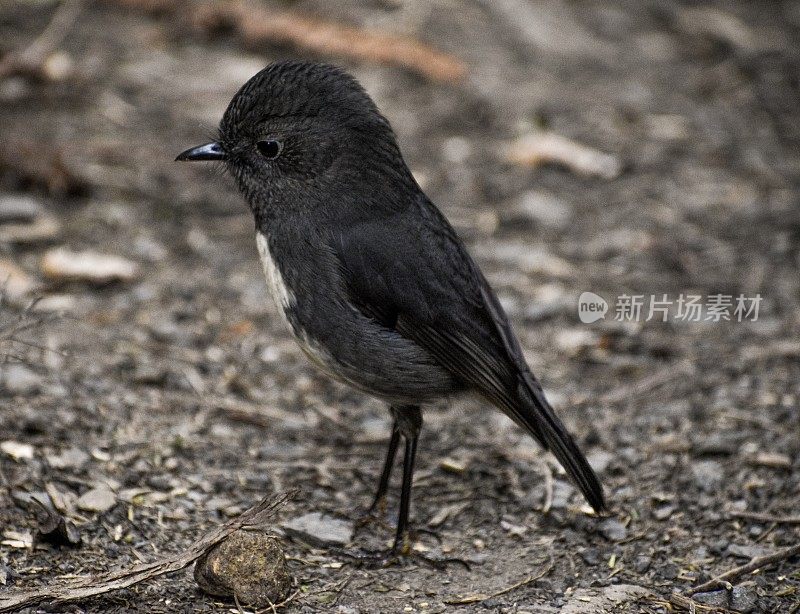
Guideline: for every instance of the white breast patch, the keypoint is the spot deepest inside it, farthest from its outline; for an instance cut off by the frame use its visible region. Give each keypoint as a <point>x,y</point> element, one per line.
<point>277,287</point>
<point>285,300</point>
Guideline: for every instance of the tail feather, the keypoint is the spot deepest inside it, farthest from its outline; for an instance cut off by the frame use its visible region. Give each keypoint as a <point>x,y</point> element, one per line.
<point>538,417</point>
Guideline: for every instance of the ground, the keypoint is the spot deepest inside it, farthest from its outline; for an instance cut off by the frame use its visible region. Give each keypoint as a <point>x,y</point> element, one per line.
<point>180,392</point>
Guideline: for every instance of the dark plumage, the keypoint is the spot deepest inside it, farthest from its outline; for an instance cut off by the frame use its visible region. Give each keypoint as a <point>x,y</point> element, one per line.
<point>374,282</point>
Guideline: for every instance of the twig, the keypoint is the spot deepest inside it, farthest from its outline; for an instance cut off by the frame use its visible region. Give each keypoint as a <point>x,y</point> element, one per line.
<point>478,597</point>
<point>757,563</point>
<point>30,59</point>
<point>275,606</point>
<point>761,517</point>
<point>10,332</point>
<point>687,603</point>
<point>77,590</point>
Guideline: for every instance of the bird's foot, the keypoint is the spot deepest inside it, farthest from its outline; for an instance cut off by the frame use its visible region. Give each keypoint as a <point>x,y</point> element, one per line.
<point>376,514</point>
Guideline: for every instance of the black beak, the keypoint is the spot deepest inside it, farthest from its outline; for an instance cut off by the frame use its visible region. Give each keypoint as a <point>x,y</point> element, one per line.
<point>209,151</point>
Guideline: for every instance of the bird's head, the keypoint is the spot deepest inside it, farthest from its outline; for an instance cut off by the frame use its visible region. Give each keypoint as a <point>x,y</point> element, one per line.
<point>297,130</point>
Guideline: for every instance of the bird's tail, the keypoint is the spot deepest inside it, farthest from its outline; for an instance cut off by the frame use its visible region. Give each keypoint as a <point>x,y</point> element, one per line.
<point>538,418</point>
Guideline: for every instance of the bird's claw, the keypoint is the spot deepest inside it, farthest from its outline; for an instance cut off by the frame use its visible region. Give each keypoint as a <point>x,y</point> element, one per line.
<point>374,515</point>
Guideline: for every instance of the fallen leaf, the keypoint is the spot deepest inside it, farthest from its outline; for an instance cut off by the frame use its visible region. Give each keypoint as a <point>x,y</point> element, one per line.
<point>57,530</point>
<point>62,501</point>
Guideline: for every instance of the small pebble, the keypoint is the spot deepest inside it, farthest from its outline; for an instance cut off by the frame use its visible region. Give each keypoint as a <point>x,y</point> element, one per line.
<point>19,208</point>
<point>612,529</point>
<point>543,208</point>
<point>599,460</point>
<point>100,499</point>
<point>562,492</point>
<point>708,475</point>
<point>717,599</point>
<point>320,529</point>
<point>741,599</point>
<point>71,458</point>
<point>663,512</point>
<point>19,379</point>
<point>744,599</point>
<point>642,563</point>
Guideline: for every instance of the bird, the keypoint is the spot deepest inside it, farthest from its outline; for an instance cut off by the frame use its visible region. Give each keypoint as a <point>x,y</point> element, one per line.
<point>374,283</point>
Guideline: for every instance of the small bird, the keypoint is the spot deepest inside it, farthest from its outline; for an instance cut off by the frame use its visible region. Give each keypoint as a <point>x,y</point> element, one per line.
<point>372,280</point>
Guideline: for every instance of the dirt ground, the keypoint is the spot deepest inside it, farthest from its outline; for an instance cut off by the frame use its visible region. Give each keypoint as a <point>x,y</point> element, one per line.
<point>180,394</point>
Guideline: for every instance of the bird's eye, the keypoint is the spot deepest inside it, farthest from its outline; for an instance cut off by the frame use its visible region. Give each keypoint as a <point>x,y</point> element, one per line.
<point>269,149</point>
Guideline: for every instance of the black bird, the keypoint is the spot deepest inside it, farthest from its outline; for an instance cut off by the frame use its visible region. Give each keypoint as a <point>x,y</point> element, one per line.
<point>373,281</point>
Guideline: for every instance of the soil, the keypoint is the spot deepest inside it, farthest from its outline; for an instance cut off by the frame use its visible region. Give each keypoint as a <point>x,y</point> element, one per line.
<point>181,393</point>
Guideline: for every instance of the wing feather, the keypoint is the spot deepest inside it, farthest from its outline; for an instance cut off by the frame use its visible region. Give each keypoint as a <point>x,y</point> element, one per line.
<point>413,272</point>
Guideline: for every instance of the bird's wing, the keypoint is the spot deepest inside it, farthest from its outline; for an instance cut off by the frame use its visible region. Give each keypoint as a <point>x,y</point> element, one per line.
<point>411,272</point>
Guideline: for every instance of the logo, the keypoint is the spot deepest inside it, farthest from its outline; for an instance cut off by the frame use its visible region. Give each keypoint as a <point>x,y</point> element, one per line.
<point>662,308</point>
<point>591,307</point>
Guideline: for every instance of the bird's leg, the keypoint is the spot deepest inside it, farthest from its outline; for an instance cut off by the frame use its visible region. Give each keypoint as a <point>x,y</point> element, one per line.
<point>379,503</point>
<point>408,423</point>
<point>377,510</point>
<point>408,419</point>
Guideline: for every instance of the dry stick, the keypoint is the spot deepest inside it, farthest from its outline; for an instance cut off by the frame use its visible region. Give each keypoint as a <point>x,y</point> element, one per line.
<point>756,563</point>
<point>274,606</point>
<point>687,603</point>
<point>83,588</point>
<point>257,25</point>
<point>761,517</point>
<point>31,58</point>
<point>9,332</point>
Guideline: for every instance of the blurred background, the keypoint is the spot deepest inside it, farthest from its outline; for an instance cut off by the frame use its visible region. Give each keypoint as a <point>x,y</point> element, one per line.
<point>624,148</point>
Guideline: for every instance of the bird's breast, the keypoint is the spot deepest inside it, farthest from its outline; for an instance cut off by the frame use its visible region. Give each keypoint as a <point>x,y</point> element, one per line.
<point>286,301</point>
<point>280,292</point>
